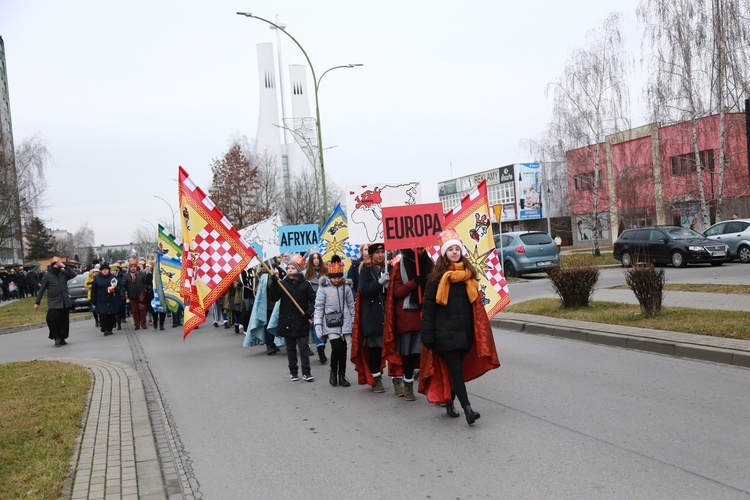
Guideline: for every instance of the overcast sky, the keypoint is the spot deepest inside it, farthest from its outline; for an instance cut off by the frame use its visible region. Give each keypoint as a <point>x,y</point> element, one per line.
<point>125,92</point>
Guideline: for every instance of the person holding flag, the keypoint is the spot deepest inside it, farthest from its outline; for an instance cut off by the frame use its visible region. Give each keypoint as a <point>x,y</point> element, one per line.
<point>456,330</point>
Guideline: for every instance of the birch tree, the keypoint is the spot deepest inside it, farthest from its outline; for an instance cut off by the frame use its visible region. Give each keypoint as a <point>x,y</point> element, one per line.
<point>590,101</point>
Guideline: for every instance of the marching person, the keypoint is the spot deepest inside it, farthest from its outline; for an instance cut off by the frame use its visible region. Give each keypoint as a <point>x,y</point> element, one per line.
<point>334,317</point>
<point>106,289</point>
<point>456,331</point>
<point>314,270</point>
<point>134,287</point>
<point>367,333</point>
<point>294,325</point>
<point>87,286</point>
<point>403,312</point>
<point>55,284</point>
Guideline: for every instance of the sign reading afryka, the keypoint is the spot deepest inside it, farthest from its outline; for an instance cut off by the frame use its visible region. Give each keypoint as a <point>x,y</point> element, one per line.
<point>412,226</point>
<point>298,238</point>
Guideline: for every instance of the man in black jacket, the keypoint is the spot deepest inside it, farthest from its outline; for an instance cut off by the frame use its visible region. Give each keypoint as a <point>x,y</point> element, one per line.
<point>55,283</point>
<point>134,287</point>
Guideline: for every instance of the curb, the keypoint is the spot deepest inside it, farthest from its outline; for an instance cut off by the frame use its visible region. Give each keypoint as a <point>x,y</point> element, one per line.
<point>36,326</point>
<point>733,352</point>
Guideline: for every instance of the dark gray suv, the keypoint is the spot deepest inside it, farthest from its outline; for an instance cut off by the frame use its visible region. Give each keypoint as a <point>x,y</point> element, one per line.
<point>674,245</point>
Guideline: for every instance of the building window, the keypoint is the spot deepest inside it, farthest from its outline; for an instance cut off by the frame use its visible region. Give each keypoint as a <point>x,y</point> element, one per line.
<point>685,164</point>
<point>585,181</point>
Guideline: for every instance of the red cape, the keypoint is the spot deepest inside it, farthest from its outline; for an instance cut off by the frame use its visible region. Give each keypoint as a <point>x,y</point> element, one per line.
<point>359,352</point>
<point>434,379</point>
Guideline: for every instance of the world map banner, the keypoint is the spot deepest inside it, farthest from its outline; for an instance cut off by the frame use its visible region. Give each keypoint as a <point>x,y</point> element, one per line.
<point>364,205</point>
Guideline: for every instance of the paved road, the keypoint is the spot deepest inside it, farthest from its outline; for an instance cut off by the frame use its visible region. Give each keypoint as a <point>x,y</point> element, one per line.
<point>560,419</point>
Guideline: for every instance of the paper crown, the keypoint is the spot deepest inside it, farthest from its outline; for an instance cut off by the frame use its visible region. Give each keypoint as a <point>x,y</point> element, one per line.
<point>447,239</point>
<point>298,261</point>
<point>335,267</point>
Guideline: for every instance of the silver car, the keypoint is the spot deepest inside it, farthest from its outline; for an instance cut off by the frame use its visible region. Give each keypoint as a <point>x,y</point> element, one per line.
<point>735,234</point>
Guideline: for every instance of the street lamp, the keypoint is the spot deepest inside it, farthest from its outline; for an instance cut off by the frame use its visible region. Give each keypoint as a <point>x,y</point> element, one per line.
<point>171,210</point>
<point>316,83</point>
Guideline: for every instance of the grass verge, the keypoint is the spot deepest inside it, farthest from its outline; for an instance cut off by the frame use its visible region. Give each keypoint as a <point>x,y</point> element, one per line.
<point>711,322</point>
<point>585,259</point>
<point>696,287</point>
<point>21,312</point>
<point>41,405</point>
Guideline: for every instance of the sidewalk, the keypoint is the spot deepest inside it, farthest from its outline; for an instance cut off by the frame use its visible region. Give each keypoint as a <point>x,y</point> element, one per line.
<point>115,454</point>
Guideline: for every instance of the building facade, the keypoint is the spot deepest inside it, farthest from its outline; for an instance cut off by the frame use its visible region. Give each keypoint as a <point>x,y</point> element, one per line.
<point>11,240</point>
<point>649,175</point>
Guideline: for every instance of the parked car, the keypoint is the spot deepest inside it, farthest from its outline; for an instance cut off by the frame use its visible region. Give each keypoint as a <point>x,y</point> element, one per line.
<point>79,296</point>
<point>674,245</point>
<point>527,252</point>
<point>735,234</point>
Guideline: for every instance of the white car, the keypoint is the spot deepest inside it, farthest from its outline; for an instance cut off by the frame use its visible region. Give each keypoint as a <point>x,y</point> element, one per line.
<point>735,234</point>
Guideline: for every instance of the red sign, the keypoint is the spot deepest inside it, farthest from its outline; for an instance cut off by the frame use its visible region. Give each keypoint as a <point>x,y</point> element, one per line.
<point>412,226</point>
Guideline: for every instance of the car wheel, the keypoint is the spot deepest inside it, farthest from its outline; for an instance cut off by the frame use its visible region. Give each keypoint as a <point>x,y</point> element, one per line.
<point>510,270</point>
<point>744,254</point>
<point>626,260</point>
<point>716,264</point>
<point>678,259</point>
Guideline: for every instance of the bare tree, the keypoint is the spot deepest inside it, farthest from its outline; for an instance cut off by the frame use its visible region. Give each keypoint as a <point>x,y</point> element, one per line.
<point>22,187</point>
<point>302,203</point>
<point>268,188</point>
<point>144,242</point>
<point>591,101</point>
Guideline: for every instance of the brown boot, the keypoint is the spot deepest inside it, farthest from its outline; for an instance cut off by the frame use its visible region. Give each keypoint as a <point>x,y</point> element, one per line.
<point>409,391</point>
<point>378,387</point>
<point>398,386</point>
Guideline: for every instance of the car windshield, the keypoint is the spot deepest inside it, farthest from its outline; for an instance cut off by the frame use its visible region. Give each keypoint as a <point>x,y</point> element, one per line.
<point>536,239</point>
<point>78,280</point>
<point>682,233</point>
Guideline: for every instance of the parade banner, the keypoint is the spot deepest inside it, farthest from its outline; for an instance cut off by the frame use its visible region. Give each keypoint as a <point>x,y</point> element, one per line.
<point>334,239</point>
<point>166,244</point>
<point>263,237</point>
<point>412,226</point>
<point>213,253</point>
<point>167,278</point>
<point>299,238</point>
<point>471,220</point>
<point>364,206</point>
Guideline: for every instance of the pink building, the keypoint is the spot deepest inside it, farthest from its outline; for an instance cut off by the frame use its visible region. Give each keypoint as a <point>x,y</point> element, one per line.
<point>648,175</point>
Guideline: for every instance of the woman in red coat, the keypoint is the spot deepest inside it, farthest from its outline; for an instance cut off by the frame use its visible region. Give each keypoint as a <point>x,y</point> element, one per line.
<point>456,331</point>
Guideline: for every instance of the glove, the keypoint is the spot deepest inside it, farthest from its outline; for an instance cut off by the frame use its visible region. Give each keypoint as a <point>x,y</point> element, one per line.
<point>275,278</point>
<point>384,278</point>
<point>420,279</point>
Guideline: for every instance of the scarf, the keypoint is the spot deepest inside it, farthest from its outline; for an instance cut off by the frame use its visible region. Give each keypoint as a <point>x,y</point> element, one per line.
<point>408,271</point>
<point>454,274</point>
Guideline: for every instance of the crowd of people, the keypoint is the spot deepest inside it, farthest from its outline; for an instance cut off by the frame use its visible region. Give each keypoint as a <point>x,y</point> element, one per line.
<point>19,283</point>
<point>402,317</point>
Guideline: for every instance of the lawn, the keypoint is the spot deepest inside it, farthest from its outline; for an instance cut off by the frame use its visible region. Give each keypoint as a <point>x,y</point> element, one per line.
<point>21,312</point>
<point>41,408</point>
<point>716,323</point>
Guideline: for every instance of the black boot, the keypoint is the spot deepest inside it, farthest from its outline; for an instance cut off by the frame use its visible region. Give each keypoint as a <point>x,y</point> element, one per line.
<point>333,379</point>
<point>450,408</point>
<point>322,354</point>
<point>471,415</point>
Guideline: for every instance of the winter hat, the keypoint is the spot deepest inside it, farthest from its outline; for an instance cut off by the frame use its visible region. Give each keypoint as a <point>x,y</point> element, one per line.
<point>447,239</point>
<point>97,267</point>
<point>335,267</point>
<point>374,247</point>
<point>103,266</point>
<point>298,262</point>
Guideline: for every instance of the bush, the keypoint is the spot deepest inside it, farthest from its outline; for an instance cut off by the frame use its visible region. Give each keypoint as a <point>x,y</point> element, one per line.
<point>647,283</point>
<point>574,285</point>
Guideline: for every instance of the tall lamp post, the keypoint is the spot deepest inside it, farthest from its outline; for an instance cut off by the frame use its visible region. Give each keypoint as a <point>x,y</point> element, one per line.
<point>316,83</point>
<point>171,210</point>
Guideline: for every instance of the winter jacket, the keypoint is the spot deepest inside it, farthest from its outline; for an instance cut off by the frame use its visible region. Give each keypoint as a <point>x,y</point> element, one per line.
<point>331,299</point>
<point>407,320</point>
<point>293,323</point>
<point>372,295</point>
<point>133,286</point>
<point>449,327</point>
<point>55,283</point>
<point>103,301</point>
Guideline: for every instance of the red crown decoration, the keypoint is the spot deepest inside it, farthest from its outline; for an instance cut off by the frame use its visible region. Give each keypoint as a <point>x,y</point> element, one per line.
<point>447,239</point>
<point>336,268</point>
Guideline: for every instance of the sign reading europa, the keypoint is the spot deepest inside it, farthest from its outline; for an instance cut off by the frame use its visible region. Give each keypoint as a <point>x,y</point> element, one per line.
<point>412,226</point>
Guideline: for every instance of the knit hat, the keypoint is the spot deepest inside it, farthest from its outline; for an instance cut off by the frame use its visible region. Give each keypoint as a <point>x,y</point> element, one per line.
<point>447,239</point>
<point>103,266</point>
<point>335,267</point>
<point>298,262</point>
<point>374,247</point>
<point>98,266</point>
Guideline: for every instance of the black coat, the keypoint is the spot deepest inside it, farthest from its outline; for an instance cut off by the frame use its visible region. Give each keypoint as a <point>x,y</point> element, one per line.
<point>293,323</point>
<point>132,287</point>
<point>55,283</point>
<point>372,295</point>
<point>101,299</point>
<point>449,327</point>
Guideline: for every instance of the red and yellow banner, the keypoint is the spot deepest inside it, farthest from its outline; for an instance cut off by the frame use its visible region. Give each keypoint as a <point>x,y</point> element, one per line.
<point>213,253</point>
